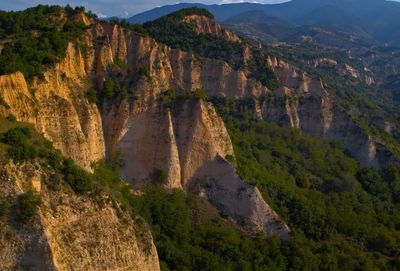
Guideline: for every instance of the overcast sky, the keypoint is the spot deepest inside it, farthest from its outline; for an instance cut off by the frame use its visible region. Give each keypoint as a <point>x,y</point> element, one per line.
<point>122,8</point>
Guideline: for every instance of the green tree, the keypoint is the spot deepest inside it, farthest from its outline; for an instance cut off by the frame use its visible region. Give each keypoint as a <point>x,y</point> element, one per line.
<point>27,205</point>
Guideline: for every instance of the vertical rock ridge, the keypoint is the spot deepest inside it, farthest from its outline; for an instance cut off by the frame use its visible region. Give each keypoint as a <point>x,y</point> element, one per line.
<point>56,108</point>
<point>71,232</point>
<point>303,102</point>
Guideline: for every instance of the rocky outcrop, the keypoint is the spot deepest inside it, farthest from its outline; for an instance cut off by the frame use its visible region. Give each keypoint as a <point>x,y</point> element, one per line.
<point>205,25</point>
<point>189,144</point>
<point>147,144</point>
<point>171,68</point>
<point>303,102</point>
<point>325,61</point>
<point>178,144</point>
<point>70,232</point>
<point>57,107</point>
<point>156,144</point>
<point>201,136</point>
<point>217,181</point>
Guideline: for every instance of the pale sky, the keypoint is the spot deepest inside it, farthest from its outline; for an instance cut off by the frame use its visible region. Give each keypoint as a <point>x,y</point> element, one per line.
<point>121,8</point>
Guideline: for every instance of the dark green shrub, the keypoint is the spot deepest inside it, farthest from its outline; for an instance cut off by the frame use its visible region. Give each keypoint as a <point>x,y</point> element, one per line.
<point>124,93</point>
<point>111,88</point>
<point>11,118</point>
<point>230,158</point>
<point>160,175</point>
<point>144,71</point>
<point>168,98</point>
<point>16,136</point>
<point>19,150</point>
<point>79,180</point>
<point>22,152</point>
<point>121,64</point>
<point>91,95</point>
<point>200,94</point>
<point>26,206</point>
<point>4,207</point>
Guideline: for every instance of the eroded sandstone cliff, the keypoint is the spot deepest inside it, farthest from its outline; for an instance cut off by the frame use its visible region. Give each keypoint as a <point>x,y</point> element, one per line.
<point>205,25</point>
<point>151,138</point>
<point>303,102</point>
<point>58,108</point>
<point>190,144</point>
<point>70,232</point>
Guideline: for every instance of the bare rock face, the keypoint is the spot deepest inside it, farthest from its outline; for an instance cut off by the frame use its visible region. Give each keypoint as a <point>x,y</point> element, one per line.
<point>218,182</point>
<point>205,25</point>
<point>201,136</point>
<point>190,146</point>
<point>70,232</point>
<point>57,108</point>
<point>302,102</point>
<point>155,139</point>
<point>157,145</point>
<point>171,68</point>
<point>147,144</point>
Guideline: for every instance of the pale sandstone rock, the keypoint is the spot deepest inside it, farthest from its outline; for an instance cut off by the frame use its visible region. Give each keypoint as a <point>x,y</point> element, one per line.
<point>205,25</point>
<point>219,183</point>
<point>190,148</point>
<point>71,232</point>
<point>56,108</point>
<point>148,136</point>
<point>147,143</point>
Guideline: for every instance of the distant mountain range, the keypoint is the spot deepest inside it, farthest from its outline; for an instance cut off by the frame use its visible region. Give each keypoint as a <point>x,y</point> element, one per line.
<point>377,19</point>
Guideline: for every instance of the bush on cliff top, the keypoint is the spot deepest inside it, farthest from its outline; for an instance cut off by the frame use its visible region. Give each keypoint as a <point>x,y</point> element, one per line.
<point>174,32</point>
<point>37,43</point>
<point>180,14</point>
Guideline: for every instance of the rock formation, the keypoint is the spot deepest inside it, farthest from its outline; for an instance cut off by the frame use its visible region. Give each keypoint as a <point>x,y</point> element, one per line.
<point>303,102</point>
<point>182,142</point>
<point>205,25</point>
<point>217,181</point>
<point>70,232</point>
<point>58,108</point>
<point>151,138</point>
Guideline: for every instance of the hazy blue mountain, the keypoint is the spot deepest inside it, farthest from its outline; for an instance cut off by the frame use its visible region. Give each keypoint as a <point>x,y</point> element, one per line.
<point>378,18</point>
<point>328,15</point>
<point>260,26</point>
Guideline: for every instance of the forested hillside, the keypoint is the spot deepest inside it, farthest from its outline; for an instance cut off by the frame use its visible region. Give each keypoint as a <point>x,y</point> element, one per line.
<point>139,114</point>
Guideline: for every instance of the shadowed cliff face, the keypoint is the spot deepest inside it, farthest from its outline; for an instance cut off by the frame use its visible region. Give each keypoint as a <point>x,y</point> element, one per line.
<point>190,145</point>
<point>178,145</point>
<point>218,181</point>
<point>302,102</point>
